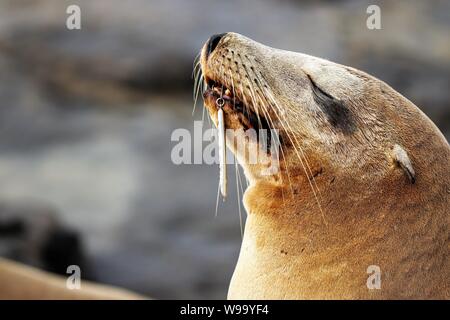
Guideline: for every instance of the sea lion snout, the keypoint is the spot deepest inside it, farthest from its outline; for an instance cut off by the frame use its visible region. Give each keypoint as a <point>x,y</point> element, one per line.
<point>212,43</point>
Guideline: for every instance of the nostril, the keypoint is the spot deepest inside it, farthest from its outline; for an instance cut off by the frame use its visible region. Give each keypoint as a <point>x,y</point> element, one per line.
<point>214,41</point>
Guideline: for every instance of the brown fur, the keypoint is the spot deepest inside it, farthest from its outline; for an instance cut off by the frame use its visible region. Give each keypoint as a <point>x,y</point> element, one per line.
<point>371,213</point>
<point>18,281</point>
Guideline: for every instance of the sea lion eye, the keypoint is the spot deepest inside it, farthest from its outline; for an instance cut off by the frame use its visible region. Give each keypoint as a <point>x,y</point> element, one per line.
<point>336,111</point>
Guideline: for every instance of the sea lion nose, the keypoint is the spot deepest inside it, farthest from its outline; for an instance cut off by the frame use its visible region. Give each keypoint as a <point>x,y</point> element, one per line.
<point>213,42</point>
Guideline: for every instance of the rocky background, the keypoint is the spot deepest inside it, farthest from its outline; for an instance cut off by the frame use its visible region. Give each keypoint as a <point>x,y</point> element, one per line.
<point>86,118</point>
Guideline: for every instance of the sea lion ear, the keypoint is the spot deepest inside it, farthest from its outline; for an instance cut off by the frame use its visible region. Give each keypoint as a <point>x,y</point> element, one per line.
<point>402,160</point>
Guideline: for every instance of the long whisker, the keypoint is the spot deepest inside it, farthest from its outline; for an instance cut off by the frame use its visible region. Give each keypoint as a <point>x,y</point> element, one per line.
<point>217,199</point>
<point>238,196</point>
<point>198,82</point>
<point>256,96</point>
<point>301,150</point>
<point>269,118</point>
<point>240,182</point>
<point>297,148</point>
<point>266,114</point>
<point>303,165</point>
<point>252,95</point>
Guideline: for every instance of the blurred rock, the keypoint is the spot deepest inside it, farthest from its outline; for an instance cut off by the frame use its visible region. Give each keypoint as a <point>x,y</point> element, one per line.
<point>31,233</point>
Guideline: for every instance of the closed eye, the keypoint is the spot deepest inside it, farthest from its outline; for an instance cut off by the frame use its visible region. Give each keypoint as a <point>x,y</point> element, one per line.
<point>335,110</point>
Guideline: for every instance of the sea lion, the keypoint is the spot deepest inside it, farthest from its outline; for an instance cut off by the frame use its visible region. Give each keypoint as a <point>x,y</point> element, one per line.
<point>19,281</point>
<point>363,181</point>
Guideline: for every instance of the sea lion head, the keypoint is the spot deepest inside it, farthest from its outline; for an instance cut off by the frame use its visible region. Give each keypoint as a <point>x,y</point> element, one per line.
<point>337,126</point>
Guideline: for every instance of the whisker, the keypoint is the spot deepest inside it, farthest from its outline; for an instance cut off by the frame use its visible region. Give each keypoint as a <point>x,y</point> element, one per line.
<point>252,96</point>
<point>296,148</point>
<point>266,113</point>
<point>238,197</point>
<point>267,116</point>
<point>304,156</point>
<point>217,200</point>
<point>198,83</point>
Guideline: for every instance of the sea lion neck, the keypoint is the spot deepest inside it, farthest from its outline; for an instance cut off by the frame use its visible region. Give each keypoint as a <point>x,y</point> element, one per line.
<point>290,253</point>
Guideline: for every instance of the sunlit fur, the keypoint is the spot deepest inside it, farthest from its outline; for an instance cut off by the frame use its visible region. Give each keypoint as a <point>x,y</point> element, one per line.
<point>340,202</point>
